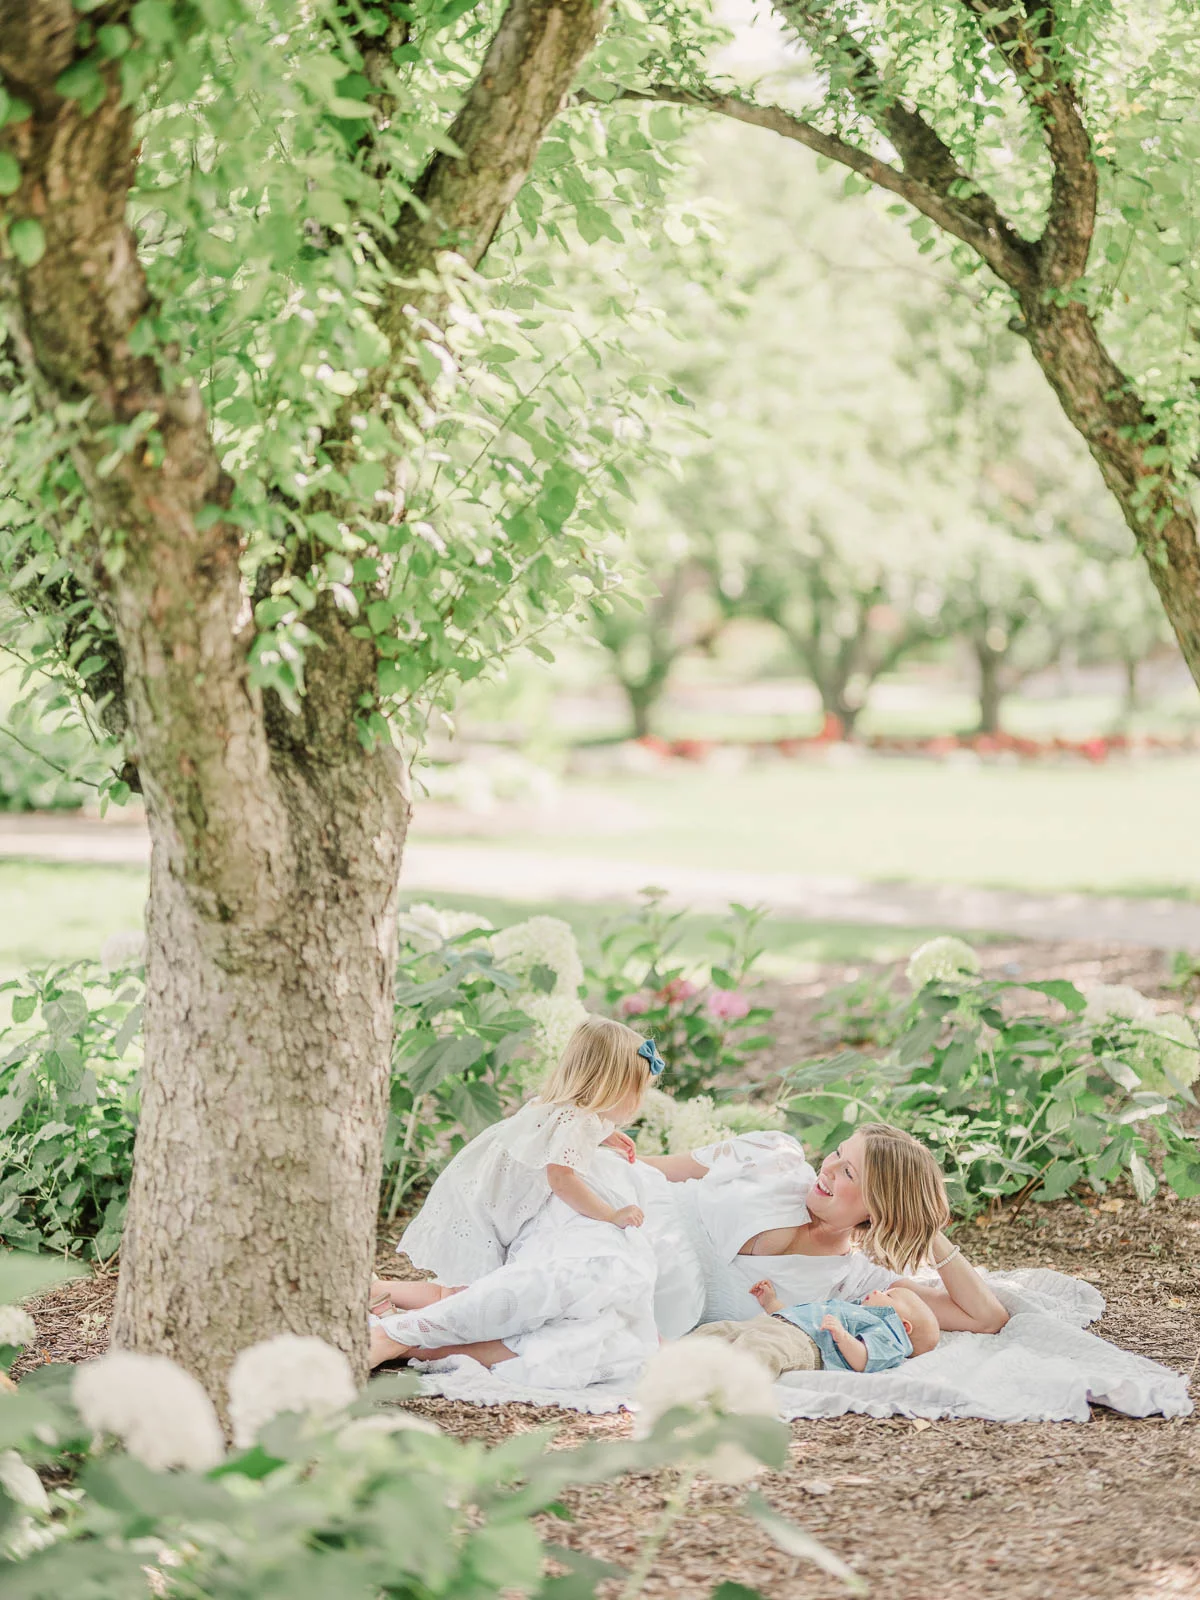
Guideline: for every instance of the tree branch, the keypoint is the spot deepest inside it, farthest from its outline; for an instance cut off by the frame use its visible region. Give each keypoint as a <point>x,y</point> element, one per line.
<point>529,66</point>
<point>925,156</point>
<point>979,225</point>
<point>1022,43</point>
<point>461,199</point>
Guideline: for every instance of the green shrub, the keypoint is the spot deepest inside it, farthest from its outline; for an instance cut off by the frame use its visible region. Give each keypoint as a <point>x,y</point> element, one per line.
<point>358,1502</point>
<point>701,1018</point>
<point>454,1063</point>
<point>68,1107</point>
<point>1015,1101</point>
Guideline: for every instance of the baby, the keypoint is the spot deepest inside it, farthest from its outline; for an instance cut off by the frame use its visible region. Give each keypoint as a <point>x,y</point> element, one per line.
<point>838,1335</point>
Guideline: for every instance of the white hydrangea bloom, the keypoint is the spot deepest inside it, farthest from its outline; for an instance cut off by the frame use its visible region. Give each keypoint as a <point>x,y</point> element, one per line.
<point>127,948</point>
<point>1119,1001</point>
<point>1166,1056</point>
<point>715,1379</point>
<point>941,960</point>
<point>424,928</point>
<point>541,942</point>
<point>158,1411</point>
<point>654,1123</point>
<point>16,1326</point>
<point>555,1018</point>
<point>676,1126</point>
<point>287,1373</point>
<point>21,1483</point>
<point>693,1123</point>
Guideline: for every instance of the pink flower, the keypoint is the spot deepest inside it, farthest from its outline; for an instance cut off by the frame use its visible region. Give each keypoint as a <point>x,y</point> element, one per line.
<point>635,1005</point>
<point>677,991</point>
<point>727,1005</point>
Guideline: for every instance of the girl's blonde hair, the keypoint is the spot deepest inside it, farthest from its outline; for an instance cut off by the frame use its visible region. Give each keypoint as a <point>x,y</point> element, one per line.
<point>905,1195</point>
<point>599,1068</point>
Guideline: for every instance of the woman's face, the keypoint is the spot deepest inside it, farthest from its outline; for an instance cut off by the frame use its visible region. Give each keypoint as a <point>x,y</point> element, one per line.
<point>836,1198</point>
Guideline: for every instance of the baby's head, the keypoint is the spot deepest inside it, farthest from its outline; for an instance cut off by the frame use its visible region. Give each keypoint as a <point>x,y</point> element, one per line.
<point>920,1324</point>
<point>601,1071</point>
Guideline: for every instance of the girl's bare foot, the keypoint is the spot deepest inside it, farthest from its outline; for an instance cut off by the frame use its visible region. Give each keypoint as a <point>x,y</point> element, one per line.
<point>381,1348</point>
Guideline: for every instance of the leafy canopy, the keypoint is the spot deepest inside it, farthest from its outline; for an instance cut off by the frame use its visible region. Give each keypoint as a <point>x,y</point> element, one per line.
<point>450,481</point>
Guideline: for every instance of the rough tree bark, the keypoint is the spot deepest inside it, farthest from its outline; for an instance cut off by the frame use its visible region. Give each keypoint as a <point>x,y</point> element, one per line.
<point>277,839</point>
<point>1063,334</point>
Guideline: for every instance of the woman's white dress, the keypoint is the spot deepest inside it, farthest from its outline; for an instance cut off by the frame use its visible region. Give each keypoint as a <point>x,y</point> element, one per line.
<point>755,1182</point>
<point>583,1302</point>
<point>495,1185</point>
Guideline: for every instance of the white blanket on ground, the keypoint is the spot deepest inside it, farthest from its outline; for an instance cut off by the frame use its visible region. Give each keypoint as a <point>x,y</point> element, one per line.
<point>1043,1367</point>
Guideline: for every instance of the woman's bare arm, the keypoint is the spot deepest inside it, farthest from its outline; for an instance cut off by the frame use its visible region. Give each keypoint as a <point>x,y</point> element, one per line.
<point>964,1303</point>
<point>676,1168</point>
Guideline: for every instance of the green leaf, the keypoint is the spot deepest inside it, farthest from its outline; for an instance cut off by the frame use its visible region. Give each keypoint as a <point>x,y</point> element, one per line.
<point>1183,1175</point>
<point>27,241</point>
<point>441,1059</point>
<point>79,81</point>
<point>114,39</point>
<point>23,1007</point>
<point>794,1541</point>
<point>1143,1179</point>
<point>10,173</point>
<point>67,1013</point>
<point>340,106</point>
<point>23,1275</point>
<point>542,978</point>
<point>154,21</point>
<point>1059,989</point>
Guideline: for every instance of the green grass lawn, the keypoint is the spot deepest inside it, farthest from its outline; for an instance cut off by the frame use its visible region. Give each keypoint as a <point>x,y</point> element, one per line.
<point>62,913</point>
<point>1128,827</point>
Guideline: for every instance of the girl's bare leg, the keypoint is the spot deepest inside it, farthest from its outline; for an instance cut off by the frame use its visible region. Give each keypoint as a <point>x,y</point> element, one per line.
<point>403,1295</point>
<point>488,1352</point>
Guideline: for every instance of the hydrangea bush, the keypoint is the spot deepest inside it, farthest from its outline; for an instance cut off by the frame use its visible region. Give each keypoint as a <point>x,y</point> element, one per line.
<point>1017,1101</point>
<point>702,1016</point>
<point>325,1492</point>
<point>68,1104</point>
<point>481,1016</point>
<point>670,1126</point>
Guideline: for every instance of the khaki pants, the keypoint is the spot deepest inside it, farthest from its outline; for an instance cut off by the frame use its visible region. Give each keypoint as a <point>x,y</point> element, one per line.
<point>779,1344</point>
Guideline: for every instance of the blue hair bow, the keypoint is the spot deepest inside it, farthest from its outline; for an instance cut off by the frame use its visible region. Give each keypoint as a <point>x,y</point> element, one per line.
<point>648,1051</point>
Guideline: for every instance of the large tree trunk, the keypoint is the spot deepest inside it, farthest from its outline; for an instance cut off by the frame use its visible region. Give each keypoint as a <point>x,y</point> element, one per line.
<point>277,837</point>
<point>268,1038</point>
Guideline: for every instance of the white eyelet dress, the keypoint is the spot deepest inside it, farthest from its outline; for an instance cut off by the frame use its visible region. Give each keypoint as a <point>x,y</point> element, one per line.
<point>574,1300</point>
<point>495,1185</point>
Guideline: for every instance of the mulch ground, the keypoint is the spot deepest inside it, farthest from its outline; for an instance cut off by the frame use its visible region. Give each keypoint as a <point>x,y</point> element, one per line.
<point>1104,1510</point>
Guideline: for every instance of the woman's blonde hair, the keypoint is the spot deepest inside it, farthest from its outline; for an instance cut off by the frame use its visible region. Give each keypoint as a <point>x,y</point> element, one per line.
<point>905,1195</point>
<point>599,1068</point>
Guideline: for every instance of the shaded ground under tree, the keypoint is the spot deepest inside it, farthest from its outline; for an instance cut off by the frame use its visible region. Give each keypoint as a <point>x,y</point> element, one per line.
<point>969,1510</point>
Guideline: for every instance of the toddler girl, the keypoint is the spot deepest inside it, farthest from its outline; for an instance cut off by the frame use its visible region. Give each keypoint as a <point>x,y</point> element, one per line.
<point>495,1184</point>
